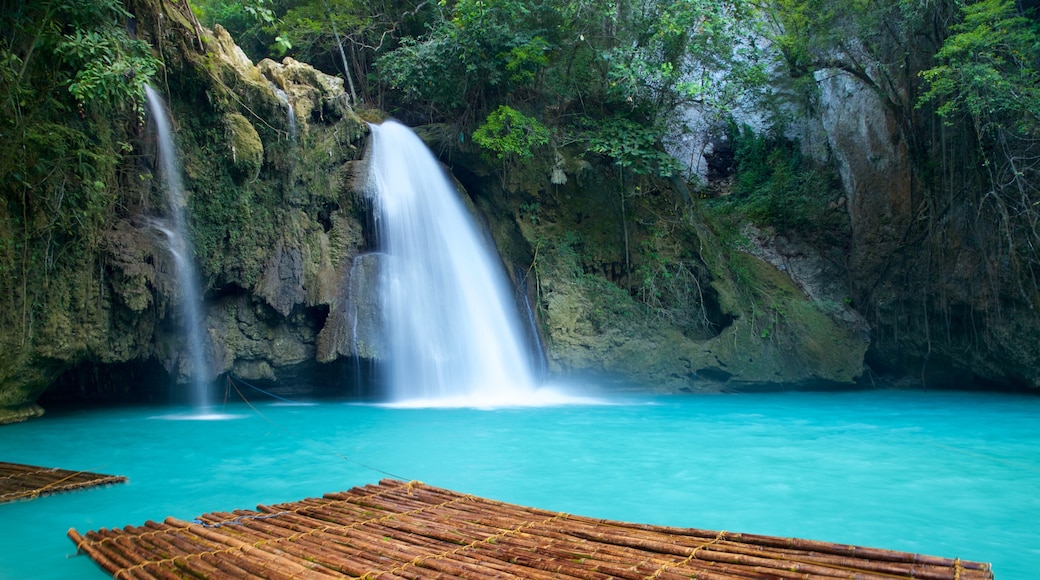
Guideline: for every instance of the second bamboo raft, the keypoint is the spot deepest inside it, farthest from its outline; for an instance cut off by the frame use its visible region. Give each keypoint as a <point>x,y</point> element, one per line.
<point>24,482</point>
<point>398,530</point>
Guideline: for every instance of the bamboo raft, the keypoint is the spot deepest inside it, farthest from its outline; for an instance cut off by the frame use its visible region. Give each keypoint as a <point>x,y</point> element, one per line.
<point>19,481</point>
<point>398,530</point>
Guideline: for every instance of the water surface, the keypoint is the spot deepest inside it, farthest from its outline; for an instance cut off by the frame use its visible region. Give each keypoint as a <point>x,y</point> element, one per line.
<point>949,474</point>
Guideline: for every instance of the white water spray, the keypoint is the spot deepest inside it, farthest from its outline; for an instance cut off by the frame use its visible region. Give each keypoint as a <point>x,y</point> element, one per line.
<point>455,337</point>
<point>179,243</point>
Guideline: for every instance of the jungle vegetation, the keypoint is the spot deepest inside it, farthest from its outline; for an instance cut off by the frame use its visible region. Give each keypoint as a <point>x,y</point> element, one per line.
<point>960,76</point>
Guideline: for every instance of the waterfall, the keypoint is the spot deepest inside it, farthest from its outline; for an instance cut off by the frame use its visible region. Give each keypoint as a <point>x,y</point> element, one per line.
<point>290,112</point>
<point>454,334</point>
<point>179,244</point>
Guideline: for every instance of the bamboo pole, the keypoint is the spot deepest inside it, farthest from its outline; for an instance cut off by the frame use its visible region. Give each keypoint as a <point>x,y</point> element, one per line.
<point>97,555</point>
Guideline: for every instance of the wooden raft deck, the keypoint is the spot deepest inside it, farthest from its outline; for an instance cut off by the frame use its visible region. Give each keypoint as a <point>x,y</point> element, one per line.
<point>18,481</point>
<point>412,530</point>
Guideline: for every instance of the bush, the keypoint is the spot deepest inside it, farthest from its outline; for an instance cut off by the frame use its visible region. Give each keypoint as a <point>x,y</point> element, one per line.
<point>507,131</point>
<point>775,186</point>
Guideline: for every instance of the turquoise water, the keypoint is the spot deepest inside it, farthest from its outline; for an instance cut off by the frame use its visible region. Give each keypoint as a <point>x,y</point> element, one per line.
<point>949,474</point>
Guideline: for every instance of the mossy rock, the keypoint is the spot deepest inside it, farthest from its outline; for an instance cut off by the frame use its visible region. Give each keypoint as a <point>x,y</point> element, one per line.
<point>246,148</point>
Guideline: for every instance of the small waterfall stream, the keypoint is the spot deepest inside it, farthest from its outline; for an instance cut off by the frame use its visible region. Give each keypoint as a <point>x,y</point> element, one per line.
<point>455,337</point>
<point>179,243</point>
<point>289,111</point>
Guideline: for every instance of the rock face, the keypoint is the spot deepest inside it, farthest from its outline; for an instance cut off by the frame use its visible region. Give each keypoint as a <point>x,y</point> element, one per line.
<point>637,289</point>
<point>874,167</point>
<point>940,307</point>
<point>355,326</point>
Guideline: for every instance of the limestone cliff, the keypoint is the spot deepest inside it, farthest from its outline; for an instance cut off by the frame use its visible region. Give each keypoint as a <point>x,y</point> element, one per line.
<point>945,302</point>
<point>634,286</point>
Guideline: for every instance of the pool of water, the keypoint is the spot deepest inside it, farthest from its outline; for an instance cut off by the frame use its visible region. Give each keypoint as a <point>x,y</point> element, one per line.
<point>941,473</point>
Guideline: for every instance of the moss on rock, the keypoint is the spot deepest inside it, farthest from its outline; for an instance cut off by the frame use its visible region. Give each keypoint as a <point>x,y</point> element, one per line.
<point>246,148</point>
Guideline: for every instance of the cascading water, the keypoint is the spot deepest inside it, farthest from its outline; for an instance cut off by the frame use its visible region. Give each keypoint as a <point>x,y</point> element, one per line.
<point>454,334</point>
<point>179,244</point>
<point>289,111</point>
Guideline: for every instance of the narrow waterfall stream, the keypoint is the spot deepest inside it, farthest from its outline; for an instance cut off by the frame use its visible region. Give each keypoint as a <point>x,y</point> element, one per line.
<point>179,243</point>
<point>455,336</point>
<point>289,111</point>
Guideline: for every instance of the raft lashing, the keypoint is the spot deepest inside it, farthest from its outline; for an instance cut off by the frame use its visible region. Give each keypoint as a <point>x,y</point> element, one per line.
<point>24,482</point>
<point>398,530</point>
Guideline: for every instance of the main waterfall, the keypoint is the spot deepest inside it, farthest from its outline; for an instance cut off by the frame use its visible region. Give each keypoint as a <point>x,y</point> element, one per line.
<point>455,337</point>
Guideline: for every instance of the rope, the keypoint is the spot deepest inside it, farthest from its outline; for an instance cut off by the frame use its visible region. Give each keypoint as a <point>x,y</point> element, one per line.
<point>237,521</point>
<point>27,473</point>
<point>689,558</point>
<point>255,388</point>
<point>298,436</point>
<point>721,536</point>
<point>418,560</point>
<point>855,569</point>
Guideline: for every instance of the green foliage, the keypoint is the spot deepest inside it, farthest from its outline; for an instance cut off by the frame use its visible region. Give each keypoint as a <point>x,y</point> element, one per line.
<point>524,61</point>
<point>988,67</point>
<point>421,74</point>
<point>71,88</point>
<point>632,146</point>
<point>669,278</point>
<point>477,51</point>
<point>78,45</point>
<point>876,42</point>
<point>634,58</point>
<point>111,68</point>
<point>985,86</point>
<point>531,212</point>
<point>252,23</point>
<point>55,57</point>
<point>775,186</point>
<point>611,73</point>
<point>683,53</point>
<point>507,132</point>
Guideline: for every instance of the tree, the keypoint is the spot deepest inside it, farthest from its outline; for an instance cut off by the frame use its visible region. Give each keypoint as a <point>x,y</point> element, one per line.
<point>987,77</point>
<point>988,69</point>
<point>254,24</point>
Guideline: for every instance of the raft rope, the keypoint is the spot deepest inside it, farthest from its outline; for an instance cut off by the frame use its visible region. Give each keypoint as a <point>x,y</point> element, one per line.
<point>231,378</point>
<point>689,558</point>
<point>27,473</point>
<point>418,560</point>
<point>239,521</point>
<point>331,449</point>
